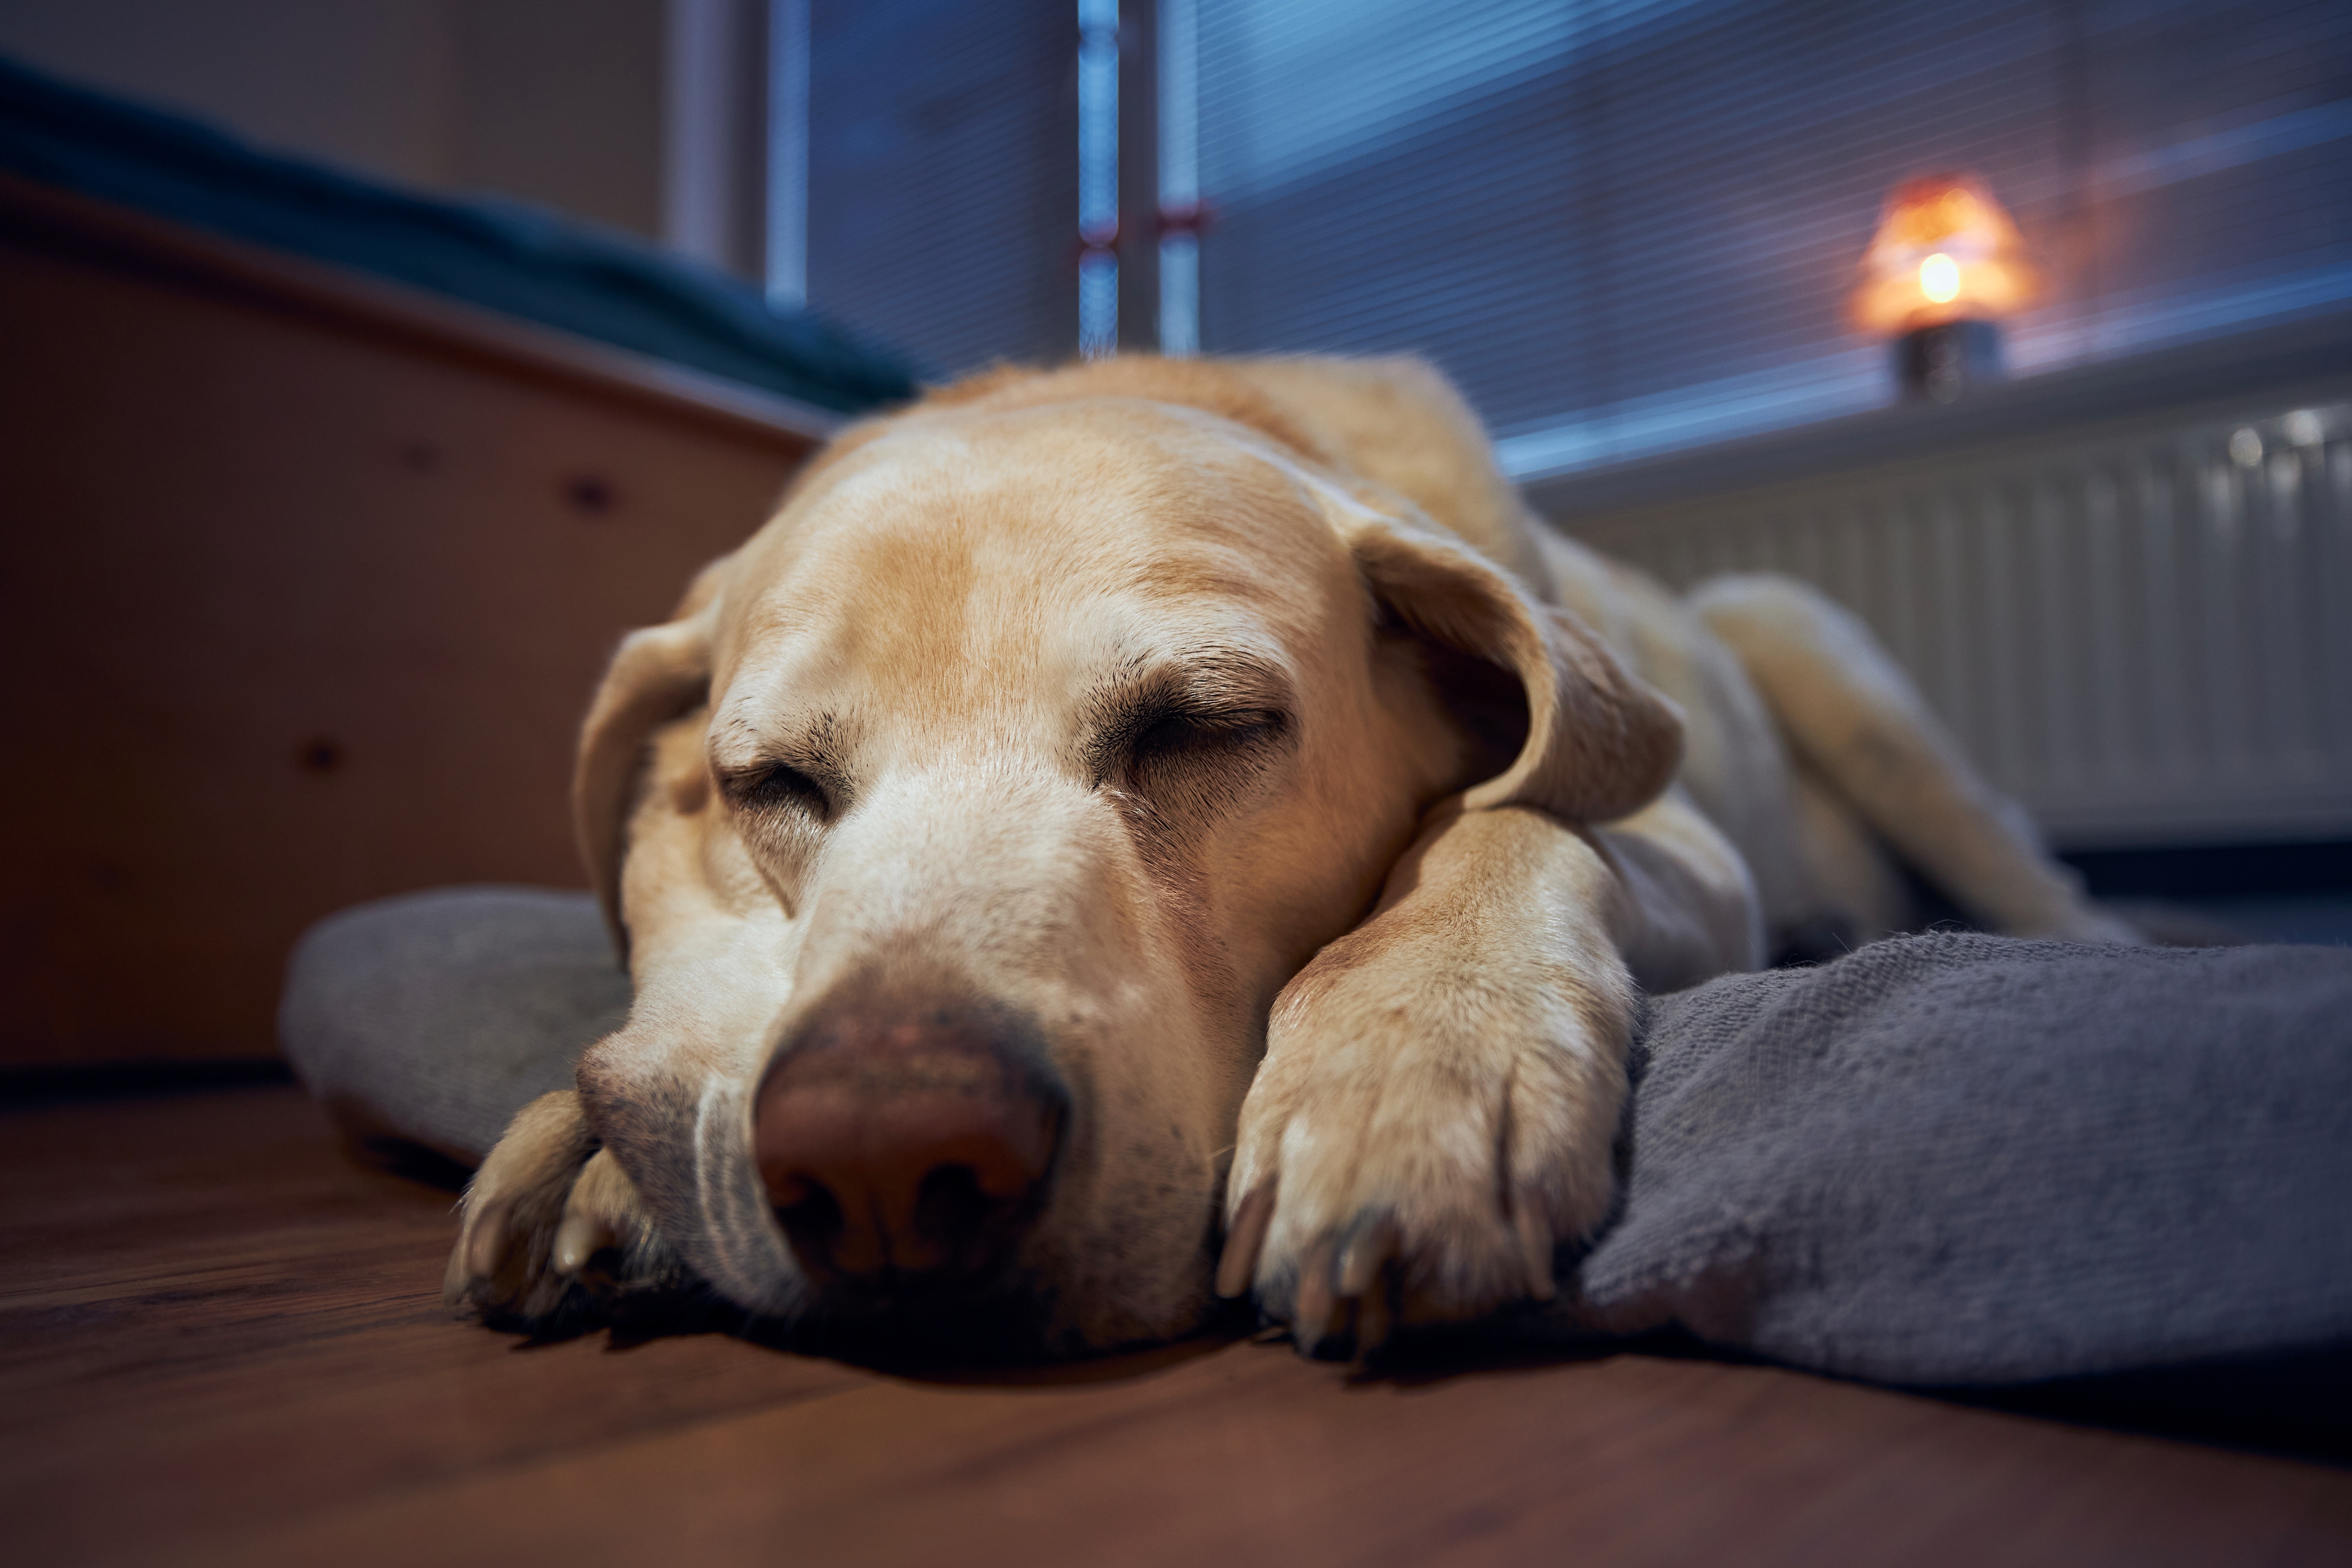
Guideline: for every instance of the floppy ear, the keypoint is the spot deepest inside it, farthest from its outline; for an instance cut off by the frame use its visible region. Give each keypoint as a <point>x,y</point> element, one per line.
<point>1599,742</point>
<point>657,674</point>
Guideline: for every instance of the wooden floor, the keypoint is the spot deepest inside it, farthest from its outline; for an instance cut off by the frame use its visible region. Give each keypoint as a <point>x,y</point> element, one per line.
<point>221,1342</point>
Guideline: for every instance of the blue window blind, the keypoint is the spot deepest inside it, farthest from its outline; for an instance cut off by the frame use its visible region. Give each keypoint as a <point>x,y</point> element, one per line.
<point>1628,227</point>
<point>942,175</point>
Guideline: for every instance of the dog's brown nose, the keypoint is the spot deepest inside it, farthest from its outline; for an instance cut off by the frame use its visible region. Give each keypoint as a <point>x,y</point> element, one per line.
<point>907,1143</point>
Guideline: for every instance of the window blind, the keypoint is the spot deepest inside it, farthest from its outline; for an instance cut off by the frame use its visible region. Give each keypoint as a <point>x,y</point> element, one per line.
<point>942,175</point>
<point>1626,228</point>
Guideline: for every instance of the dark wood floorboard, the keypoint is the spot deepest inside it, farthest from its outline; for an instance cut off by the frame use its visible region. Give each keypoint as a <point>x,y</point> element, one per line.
<point>222,1342</point>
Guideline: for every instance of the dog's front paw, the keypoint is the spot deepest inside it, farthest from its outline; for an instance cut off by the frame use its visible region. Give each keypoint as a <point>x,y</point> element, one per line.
<point>553,1229</point>
<point>1416,1160</point>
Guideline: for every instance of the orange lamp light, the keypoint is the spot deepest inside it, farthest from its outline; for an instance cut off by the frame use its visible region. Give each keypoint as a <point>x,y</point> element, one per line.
<point>1945,251</point>
<point>1944,268</point>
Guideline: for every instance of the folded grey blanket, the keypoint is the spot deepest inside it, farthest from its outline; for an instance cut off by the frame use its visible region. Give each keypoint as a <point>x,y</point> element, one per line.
<point>1946,1160</point>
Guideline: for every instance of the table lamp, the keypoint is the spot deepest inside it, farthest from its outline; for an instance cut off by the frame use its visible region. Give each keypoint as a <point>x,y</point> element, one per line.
<point>1944,268</point>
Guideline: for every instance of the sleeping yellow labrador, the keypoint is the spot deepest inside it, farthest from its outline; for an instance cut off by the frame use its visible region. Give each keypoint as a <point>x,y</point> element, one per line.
<point>1159,829</point>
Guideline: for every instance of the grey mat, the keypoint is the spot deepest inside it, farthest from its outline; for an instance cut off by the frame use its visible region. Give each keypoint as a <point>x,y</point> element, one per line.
<point>435,1017</point>
<point>1949,1160</point>
<point>1962,1159</point>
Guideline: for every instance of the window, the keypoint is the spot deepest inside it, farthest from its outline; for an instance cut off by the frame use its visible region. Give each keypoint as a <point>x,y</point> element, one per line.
<point>1628,227</point>
<point>1624,226</point>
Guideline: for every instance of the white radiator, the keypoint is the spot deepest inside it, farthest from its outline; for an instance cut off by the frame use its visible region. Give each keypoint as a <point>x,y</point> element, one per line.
<point>2143,636</point>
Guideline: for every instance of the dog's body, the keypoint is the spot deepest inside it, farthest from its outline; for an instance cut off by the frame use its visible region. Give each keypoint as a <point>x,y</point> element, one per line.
<point>1110,801</point>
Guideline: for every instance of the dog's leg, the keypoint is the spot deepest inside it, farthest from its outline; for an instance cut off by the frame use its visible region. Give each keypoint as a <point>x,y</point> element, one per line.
<point>1856,894</point>
<point>1690,909</point>
<point>1853,715</point>
<point>1441,1088</point>
<point>552,1221</point>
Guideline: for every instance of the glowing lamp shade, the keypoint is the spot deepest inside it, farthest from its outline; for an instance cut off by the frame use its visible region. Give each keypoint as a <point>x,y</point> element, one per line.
<point>1945,251</point>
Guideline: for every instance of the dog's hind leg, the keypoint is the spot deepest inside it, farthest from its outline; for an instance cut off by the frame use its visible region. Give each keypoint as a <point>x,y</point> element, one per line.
<point>1855,720</point>
<point>1855,892</point>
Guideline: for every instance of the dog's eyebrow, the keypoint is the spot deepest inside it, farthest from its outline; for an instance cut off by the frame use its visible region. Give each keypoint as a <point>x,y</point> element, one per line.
<point>742,743</point>
<point>1206,681</point>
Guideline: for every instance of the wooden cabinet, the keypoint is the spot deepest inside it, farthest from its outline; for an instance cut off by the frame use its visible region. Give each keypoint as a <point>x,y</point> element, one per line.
<point>308,580</point>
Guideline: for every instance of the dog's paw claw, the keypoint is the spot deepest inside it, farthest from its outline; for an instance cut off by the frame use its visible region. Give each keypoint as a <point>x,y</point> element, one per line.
<point>473,1260</point>
<point>600,1214</point>
<point>1537,1242</point>
<point>1245,1237</point>
<point>578,1239</point>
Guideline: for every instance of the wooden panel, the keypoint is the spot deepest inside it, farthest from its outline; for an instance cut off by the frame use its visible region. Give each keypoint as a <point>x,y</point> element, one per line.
<point>304,598</point>
<point>220,1344</point>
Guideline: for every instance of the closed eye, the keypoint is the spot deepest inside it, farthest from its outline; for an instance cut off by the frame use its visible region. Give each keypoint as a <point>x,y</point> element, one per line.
<point>1195,728</point>
<point>779,786</point>
<point>1178,737</point>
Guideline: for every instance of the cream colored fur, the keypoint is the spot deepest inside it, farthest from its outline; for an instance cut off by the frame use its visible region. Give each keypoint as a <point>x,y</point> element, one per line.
<point>1350,970</point>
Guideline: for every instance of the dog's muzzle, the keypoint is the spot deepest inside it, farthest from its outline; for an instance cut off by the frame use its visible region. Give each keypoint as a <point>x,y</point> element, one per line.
<point>907,1145</point>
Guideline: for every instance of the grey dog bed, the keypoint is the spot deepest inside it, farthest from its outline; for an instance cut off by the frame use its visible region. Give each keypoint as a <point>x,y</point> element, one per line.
<point>1947,1161</point>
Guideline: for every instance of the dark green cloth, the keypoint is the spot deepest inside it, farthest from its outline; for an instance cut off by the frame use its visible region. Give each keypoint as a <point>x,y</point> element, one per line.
<point>492,252</point>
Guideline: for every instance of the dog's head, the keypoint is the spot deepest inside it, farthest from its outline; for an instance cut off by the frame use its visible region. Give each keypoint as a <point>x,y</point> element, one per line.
<point>965,824</point>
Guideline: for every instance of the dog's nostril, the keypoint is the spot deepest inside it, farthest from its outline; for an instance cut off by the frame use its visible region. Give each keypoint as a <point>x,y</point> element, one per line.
<point>811,1217</point>
<point>950,1202</point>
